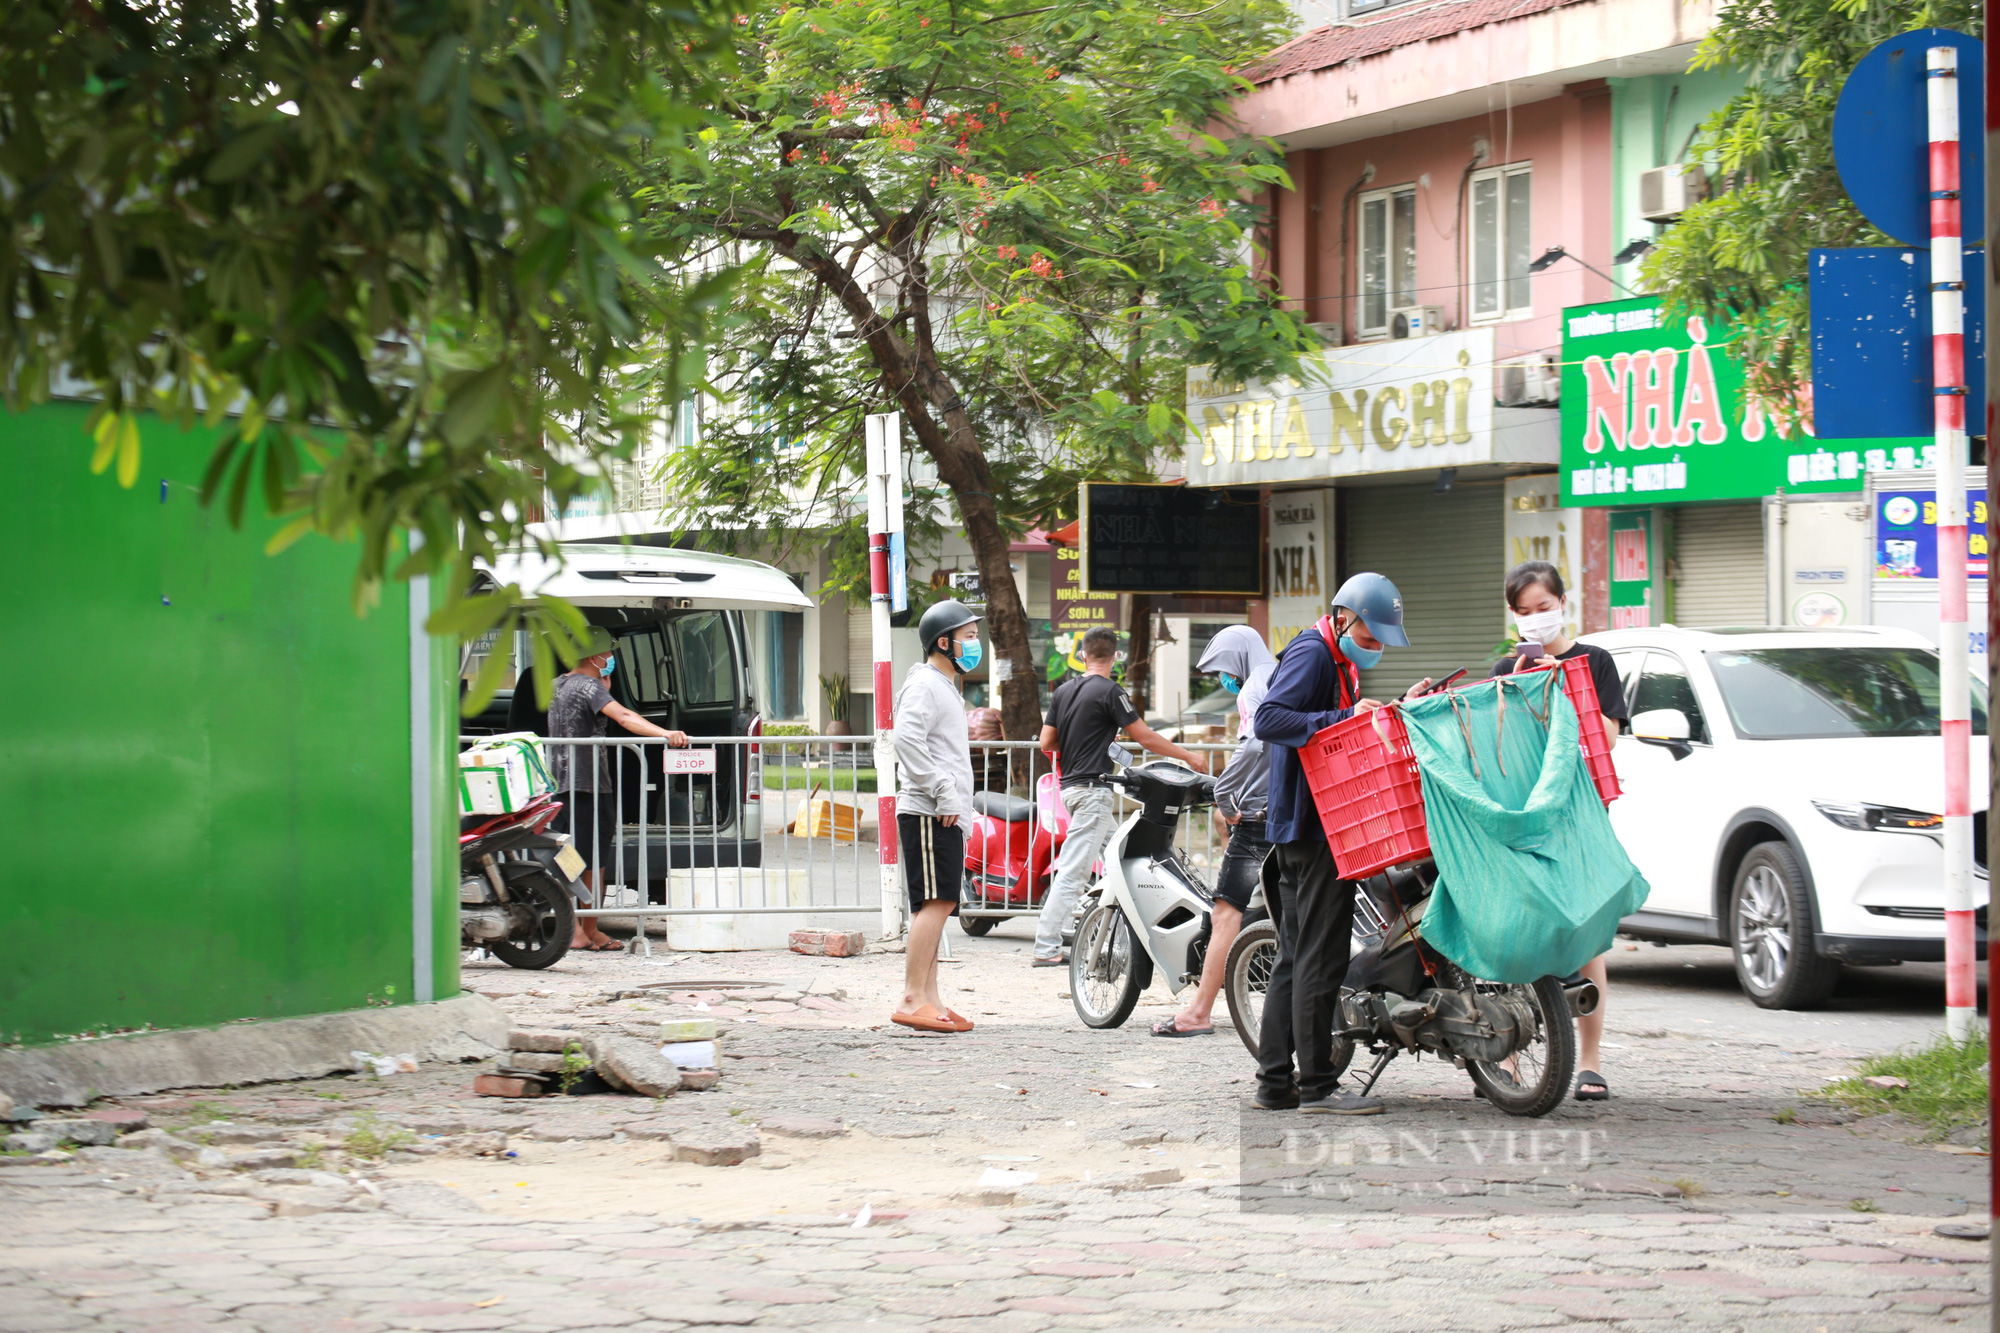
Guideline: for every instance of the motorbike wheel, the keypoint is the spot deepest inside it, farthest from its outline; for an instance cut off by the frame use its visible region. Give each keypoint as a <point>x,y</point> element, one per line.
<point>1544,1067</point>
<point>1107,968</point>
<point>554,924</point>
<point>1246,976</point>
<point>976,926</point>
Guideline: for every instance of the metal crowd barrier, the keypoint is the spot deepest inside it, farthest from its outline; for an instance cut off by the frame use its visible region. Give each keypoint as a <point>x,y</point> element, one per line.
<point>742,824</point>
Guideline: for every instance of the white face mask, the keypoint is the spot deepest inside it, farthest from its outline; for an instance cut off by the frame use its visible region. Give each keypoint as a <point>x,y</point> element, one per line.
<point>1542,627</point>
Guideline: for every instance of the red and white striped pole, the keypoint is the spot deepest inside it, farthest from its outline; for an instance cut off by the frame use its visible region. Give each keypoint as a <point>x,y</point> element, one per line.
<point>1961,980</point>
<point>884,465</point>
<point>1992,100</point>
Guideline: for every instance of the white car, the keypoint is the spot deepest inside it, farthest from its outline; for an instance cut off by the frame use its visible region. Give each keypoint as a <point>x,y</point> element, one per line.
<point>1783,790</point>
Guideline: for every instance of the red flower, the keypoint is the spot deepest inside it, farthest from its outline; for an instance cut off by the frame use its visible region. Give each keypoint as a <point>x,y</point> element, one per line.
<point>1148,187</point>
<point>1124,161</point>
<point>795,155</point>
<point>1040,266</point>
<point>1007,252</point>
<point>1016,52</point>
<point>923,23</point>
<point>1054,73</point>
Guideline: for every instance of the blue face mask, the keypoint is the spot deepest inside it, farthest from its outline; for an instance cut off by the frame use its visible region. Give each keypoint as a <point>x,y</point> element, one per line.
<point>1361,657</point>
<point>1229,682</point>
<point>970,654</point>
<point>610,665</point>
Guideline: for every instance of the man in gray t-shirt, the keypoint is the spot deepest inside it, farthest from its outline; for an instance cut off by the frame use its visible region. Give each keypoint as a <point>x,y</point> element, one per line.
<point>580,708</point>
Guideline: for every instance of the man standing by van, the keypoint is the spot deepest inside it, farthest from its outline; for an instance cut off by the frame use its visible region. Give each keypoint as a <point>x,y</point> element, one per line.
<point>585,777</point>
<point>1085,717</point>
<point>933,799</point>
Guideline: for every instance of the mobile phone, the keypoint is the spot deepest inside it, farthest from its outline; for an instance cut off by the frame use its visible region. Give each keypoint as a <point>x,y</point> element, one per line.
<point>1446,683</point>
<point>1527,650</point>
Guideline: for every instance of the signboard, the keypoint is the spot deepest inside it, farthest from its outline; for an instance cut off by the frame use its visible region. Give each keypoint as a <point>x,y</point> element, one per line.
<point>1654,413</point>
<point>1398,406</point>
<point>1881,134</point>
<point>1906,534</point>
<point>1871,342</point>
<point>1539,528</point>
<point>1072,611</point>
<point>1164,540</point>
<point>1631,570</point>
<point>674,763</point>
<point>1299,570</point>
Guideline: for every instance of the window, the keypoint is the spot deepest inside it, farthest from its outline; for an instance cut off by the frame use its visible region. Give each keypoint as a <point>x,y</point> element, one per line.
<point>1500,243</point>
<point>1810,693</point>
<point>642,668</point>
<point>1388,255</point>
<point>703,662</point>
<point>1664,683</point>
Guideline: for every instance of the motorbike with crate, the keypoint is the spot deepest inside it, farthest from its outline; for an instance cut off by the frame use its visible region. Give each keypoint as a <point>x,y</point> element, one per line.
<point>1400,996</point>
<point>515,884</point>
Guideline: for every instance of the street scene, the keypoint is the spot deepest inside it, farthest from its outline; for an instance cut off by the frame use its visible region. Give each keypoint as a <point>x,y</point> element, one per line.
<point>758,665</point>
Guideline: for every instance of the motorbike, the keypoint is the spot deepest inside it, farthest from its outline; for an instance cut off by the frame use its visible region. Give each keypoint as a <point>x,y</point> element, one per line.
<point>1010,851</point>
<point>515,892</point>
<point>1517,1042</point>
<point>1148,909</point>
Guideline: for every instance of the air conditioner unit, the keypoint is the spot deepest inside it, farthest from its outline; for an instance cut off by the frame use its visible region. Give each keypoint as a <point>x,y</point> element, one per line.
<point>1416,321</point>
<point>1526,384</point>
<point>1666,192</point>
<point>1328,332</point>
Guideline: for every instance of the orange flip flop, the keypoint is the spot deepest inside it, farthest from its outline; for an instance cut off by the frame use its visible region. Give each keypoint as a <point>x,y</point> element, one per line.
<point>923,1023</point>
<point>963,1023</point>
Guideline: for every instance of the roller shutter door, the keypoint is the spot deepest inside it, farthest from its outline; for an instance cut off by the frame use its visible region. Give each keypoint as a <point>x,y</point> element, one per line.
<point>1718,567</point>
<point>1446,554</point>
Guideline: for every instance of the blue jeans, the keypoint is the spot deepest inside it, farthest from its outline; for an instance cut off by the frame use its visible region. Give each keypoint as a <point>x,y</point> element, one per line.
<point>1091,823</point>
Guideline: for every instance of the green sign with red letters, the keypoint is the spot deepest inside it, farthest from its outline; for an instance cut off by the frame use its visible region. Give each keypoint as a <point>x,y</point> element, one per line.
<point>1654,413</point>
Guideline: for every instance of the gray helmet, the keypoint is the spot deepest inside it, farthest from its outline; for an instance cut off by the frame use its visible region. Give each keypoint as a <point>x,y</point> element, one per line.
<point>940,619</point>
<point>1380,606</point>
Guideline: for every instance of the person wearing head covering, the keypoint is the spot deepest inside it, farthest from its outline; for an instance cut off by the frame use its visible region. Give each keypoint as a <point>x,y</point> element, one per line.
<point>1238,658</point>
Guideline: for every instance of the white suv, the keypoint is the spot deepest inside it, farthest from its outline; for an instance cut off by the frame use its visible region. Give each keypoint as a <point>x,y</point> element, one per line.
<point>1782,796</point>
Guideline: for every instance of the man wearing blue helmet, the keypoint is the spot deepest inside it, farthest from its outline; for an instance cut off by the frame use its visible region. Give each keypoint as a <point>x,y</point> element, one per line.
<point>1317,683</point>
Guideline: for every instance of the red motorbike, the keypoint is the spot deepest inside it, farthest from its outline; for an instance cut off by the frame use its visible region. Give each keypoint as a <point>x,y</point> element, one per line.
<point>1011,847</point>
<point>514,888</point>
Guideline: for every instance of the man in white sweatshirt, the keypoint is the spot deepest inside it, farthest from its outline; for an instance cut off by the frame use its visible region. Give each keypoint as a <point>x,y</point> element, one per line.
<point>933,799</point>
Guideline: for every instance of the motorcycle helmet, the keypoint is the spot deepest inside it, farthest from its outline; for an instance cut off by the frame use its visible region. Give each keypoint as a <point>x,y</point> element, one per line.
<point>1375,600</point>
<point>941,620</point>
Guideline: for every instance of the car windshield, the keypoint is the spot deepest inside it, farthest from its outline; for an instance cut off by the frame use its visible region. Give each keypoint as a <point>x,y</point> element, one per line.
<point>1807,693</point>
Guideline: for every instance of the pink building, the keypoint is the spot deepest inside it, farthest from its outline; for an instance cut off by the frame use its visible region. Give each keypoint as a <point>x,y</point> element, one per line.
<point>1457,168</point>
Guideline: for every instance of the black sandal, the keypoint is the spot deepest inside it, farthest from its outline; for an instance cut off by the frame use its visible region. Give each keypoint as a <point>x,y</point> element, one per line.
<point>1598,1089</point>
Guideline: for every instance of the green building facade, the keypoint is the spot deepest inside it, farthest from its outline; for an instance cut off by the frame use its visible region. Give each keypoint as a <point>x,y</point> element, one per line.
<point>1653,123</point>
<point>225,792</point>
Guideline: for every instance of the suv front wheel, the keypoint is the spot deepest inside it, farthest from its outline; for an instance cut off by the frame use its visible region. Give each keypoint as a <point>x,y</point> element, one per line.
<point>1771,932</point>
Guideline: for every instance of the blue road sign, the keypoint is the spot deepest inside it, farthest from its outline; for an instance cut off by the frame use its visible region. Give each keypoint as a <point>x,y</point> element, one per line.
<point>1871,342</point>
<point>1881,129</point>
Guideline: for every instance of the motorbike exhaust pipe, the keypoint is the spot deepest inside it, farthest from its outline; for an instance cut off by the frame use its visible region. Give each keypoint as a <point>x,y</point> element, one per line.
<point>1582,996</point>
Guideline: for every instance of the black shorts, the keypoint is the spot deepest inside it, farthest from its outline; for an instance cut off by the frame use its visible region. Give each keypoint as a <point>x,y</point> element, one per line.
<point>1242,862</point>
<point>933,859</point>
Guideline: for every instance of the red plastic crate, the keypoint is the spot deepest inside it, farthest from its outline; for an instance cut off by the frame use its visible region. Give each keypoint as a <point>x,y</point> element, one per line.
<point>1363,777</point>
<point>1364,781</point>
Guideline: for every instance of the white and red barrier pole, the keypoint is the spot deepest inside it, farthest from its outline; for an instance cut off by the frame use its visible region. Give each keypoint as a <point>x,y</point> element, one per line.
<point>885,478</point>
<point>1992,103</point>
<point>1961,981</point>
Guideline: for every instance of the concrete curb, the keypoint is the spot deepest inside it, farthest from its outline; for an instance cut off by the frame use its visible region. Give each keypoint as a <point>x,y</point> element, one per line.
<point>468,1027</point>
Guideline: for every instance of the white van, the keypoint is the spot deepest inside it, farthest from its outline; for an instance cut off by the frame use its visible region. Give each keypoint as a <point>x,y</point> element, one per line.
<point>683,663</point>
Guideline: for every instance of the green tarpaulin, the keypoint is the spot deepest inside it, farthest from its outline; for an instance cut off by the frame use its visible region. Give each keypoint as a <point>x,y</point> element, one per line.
<point>1531,879</point>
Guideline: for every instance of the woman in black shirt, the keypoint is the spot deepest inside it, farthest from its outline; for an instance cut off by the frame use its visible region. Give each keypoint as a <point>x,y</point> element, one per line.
<point>1535,596</point>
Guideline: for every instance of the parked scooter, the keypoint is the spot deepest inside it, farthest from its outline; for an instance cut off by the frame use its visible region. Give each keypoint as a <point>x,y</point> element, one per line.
<point>1011,844</point>
<point>1402,995</point>
<point>515,890</point>
<point>1148,909</point>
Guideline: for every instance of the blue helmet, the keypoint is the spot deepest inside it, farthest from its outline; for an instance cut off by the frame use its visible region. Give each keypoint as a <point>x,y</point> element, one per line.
<point>1380,606</point>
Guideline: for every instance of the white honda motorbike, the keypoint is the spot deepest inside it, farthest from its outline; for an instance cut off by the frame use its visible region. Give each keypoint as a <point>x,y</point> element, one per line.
<point>1149,909</point>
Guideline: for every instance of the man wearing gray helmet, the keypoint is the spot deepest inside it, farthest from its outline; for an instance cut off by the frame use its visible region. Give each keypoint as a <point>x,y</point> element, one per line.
<point>1317,683</point>
<point>933,796</point>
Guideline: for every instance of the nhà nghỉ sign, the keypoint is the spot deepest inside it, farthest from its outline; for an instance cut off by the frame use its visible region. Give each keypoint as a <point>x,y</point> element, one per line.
<point>1377,407</point>
<point>1654,412</point>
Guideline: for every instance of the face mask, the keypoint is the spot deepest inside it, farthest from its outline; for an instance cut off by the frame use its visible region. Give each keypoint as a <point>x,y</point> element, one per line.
<point>1542,627</point>
<point>610,665</point>
<point>1229,682</point>
<point>1361,657</point>
<point>970,654</point>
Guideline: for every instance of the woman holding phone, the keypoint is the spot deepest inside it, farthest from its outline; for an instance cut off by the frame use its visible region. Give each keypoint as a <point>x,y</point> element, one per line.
<point>1535,596</point>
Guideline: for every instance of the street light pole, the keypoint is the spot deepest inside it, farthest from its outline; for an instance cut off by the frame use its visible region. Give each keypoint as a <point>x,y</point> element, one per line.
<point>1961,984</point>
<point>885,510</point>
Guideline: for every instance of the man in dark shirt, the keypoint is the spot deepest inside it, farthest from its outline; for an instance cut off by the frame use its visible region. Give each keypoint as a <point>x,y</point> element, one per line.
<point>1316,685</point>
<point>1085,716</point>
